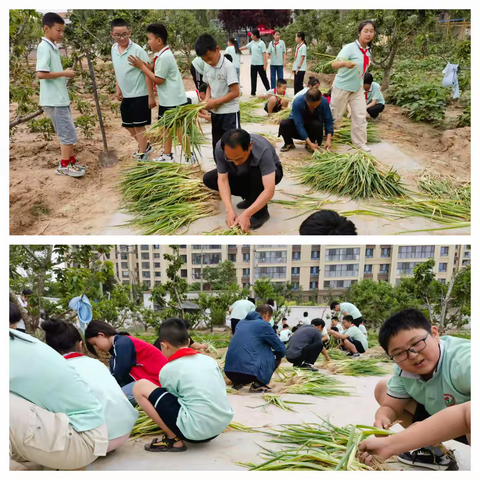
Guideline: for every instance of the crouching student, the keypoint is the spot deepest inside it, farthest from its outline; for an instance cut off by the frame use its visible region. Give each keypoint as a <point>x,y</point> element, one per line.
<point>276,100</point>
<point>131,359</point>
<point>373,96</point>
<point>352,339</point>
<point>120,416</point>
<point>55,419</point>
<point>192,406</point>
<point>432,373</point>
<point>327,222</point>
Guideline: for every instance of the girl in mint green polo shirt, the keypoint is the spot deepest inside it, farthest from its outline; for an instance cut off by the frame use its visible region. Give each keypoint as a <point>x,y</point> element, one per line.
<point>352,62</point>
<point>277,52</point>
<point>258,63</point>
<point>300,62</point>
<point>234,51</point>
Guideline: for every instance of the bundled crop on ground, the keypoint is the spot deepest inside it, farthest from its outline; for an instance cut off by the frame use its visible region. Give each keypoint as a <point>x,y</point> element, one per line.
<point>336,354</point>
<point>364,367</point>
<point>303,202</point>
<point>144,426</point>
<point>242,428</point>
<point>247,111</point>
<point>342,132</point>
<point>276,118</point>
<point>236,230</point>
<point>444,187</point>
<point>182,124</point>
<point>271,138</point>
<point>164,197</point>
<point>355,175</point>
<point>312,446</point>
<point>276,401</point>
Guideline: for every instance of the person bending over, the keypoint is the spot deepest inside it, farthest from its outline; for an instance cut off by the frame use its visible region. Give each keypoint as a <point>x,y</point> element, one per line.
<point>352,339</point>
<point>327,222</point>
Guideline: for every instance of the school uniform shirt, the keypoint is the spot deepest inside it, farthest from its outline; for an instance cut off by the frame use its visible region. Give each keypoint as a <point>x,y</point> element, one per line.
<point>348,78</point>
<point>374,93</point>
<point>306,321</point>
<point>257,49</point>
<point>300,51</point>
<point>262,155</point>
<point>363,329</point>
<point>198,384</point>
<point>194,96</point>
<point>132,359</point>
<point>199,65</point>
<point>339,328</point>
<point>276,50</point>
<point>355,333</point>
<point>285,335</point>
<point>322,112</point>
<point>120,415</point>
<point>351,309</point>
<point>450,384</point>
<point>230,50</point>
<point>220,78</point>
<point>172,92</point>
<point>53,92</point>
<point>131,80</point>
<point>21,323</point>
<point>241,308</point>
<point>301,93</point>
<point>42,376</point>
<point>304,336</point>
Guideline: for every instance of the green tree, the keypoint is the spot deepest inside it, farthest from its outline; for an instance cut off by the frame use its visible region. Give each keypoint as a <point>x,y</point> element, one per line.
<point>265,290</point>
<point>221,276</point>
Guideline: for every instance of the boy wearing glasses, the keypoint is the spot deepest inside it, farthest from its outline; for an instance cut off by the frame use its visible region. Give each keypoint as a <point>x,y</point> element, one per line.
<point>133,89</point>
<point>431,374</point>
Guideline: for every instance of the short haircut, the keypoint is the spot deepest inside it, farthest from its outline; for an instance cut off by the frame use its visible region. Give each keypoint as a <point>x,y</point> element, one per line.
<point>60,335</point>
<point>118,22</point>
<point>271,302</point>
<point>305,314</point>
<point>228,57</point>
<point>327,222</point>
<point>174,332</point>
<point>205,43</point>
<point>405,320</point>
<point>368,78</point>
<point>285,325</point>
<point>313,95</point>
<point>236,137</point>
<point>318,322</point>
<point>284,319</point>
<point>301,35</point>
<point>203,88</point>
<point>159,31</point>
<point>263,309</point>
<point>281,81</point>
<point>312,81</point>
<point>255,32</point>
<point>50,19</point>
<point>348,318</point>
<point>251,299</point>
<point>333,305</point>
<point>27,291</point>
<point>15,315</point>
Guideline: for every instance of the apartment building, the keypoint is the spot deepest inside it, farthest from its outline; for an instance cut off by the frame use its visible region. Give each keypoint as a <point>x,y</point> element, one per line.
<point>314,270</point>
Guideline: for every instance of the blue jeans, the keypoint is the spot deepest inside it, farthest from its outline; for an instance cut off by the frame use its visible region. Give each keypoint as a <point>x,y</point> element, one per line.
<point>275,71</point>
<point>128,391</point>
<point>238,73</point>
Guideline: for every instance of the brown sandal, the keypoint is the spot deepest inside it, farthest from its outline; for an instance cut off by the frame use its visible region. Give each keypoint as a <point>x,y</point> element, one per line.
<point>164,445</point>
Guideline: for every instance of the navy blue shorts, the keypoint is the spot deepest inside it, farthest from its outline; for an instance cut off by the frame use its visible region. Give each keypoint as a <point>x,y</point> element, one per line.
<point>358,345</point>
<point>167,407</point>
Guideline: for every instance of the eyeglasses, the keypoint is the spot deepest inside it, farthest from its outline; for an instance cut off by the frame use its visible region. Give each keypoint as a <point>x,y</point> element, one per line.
<point>122,35</point>
<point>417,347</point>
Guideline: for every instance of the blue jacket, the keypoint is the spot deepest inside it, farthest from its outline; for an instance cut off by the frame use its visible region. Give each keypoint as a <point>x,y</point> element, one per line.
<point>322,112</point>
<point>250,350</point>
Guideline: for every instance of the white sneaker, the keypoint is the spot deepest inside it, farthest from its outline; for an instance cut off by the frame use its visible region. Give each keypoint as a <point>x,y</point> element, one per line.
<point>142,157</point>
<point>149,149</point>
<point>190,159</point>
<point>366,148</point>
<point>70,170</point>
<point>164,157</point>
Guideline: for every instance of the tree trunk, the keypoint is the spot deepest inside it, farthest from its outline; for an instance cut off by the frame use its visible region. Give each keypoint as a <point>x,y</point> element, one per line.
<point>25,118</point>
<point>446,301</point>
<point>387,71</point>
<point>23,312</point>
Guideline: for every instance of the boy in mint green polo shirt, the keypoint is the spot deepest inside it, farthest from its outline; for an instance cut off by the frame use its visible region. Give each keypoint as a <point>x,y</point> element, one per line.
<point>191,406</point>
<point>166,76</point>
<point>54,98</point>
<point>133,89</point>
<point>258,62</point>
<point>277,53</point>
<point>431,373</point>
<point>352,339</point>
<point>373,96</point>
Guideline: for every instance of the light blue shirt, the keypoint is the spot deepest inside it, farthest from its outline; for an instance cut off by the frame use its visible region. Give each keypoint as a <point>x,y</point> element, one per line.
<point>375,93</point>
<point>350,309</point>
<point>257,49</point>
<point>230,50</point>
<point>276,58</point>
<point>349,79</point>
<point>300,51</point>
<point>171,92</point>
<point>241,308</point>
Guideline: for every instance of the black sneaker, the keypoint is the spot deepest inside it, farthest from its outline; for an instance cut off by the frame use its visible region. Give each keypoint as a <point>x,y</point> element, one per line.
<point>423,457</point>
<point>242,205</point>
<point>256,223</point>
<point>308,366</point>
<point>237,386</point>
<point>288,147</point>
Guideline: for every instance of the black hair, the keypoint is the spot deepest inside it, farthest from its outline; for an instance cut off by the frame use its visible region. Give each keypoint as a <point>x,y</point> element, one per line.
<point>281,81</point>
<point>174,331</point>
<point>271,302</point>
<point>333,305</point>
<point>235,137</point>
<point>301,35</point>
<point>203,88</point>
<point>235,44</point>
<point>255,32</point>
<point>251,299</point>
<point>349,318</point>
<point>15,315</point>
<point>27,291</point>
<point>294,329</point>
<point>118,22</point>
<point>313,95</point>
<point>327,222</point>
<point>305,314</point>
<point>205,43</point>
<point>368,78</point>
<point>318,322</point>
<point>262,309</point>
<point>60,335</point>
<point>50,19</point>
<point>355,321</point>
<point>312,81</point>
<point>364,23</point>
<point>159,31</point>
<point>275,327</point>
<point>328,94</point>
<point>276,30</point>
<point>284,319</point>
<point>286,325</point>
<point>228,57</point>
<point>94,328</point>
<point>405,320</point>
<point>335,329</point>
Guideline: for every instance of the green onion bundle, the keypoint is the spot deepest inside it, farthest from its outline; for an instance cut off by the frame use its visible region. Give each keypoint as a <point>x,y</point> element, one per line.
<point>276,118</point>
<point>236,230</point>
<point>273,139</point>
<point>276,401</point>
<point>247,111</point>
<point>144,426</point>
<point>364,367</point>
<point>182,124</point>
<point>444,187</point>
<point>342,133</point>
<point>355,175</point>
<point>164,197</point>
<point>316,384</point>
<point>242,428</point>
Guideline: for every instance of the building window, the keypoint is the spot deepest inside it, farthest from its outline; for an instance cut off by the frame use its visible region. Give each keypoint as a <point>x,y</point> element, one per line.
<point>246,272</point>
<point>147,283</point>
<point>124,265</point>
<point>272,257</point>
<point>208,258</point>
<point>295,256</point>
<point>342,254</point>
<point>146,274</point>
<point>206,247</point>
<point>270,272</point>
<point>145,265</point>
<point>156,255</point>
<point>107,256</point>
<point>406,268</point>
<point>183,246</point>
<point>467,254</point>
<point>444,251</point>
<point>124,256</point>
<point>156,247</point>
<point>348,270</point>
<point>369,253</point>
<point>314,270</point>
<point>246,285</point>
<point>295,286</point>
<point>144,247</point>
<point>465,263</point>
<point>368,269</point>
<point>246,257</point>
<point>385,253</point>
<point>197,273</point>
<point>125,274</point>
<point>338,283</point>
<point>158,274</point>
<point>442,267</point>
<point>315,255</point>
<point>313,285</point>
<point>184,258</point>
<point>442,280</point>
<point>425,251</point>
<point>384,268</point>
<point>183,273</point>
<point>232,257</point>
<point>158,282</point>
<point>295,271</point>
<point>156,265</point>
<point>232,246</point>
<point>145,256</point>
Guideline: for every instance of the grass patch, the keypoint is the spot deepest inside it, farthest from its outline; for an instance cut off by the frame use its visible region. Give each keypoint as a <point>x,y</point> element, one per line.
<point>39,209</point>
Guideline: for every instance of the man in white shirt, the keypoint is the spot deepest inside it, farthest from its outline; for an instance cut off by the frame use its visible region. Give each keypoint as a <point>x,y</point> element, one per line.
<point>239,310</point>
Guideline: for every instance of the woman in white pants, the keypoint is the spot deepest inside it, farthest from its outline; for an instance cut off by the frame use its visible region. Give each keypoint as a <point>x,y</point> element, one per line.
<point>352,63</point>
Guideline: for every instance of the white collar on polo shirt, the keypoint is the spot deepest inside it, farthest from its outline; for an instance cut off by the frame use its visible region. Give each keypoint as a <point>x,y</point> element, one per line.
<point>50,42</point>
<point>115,45</point>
